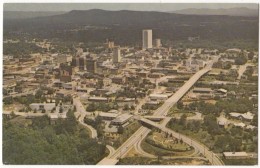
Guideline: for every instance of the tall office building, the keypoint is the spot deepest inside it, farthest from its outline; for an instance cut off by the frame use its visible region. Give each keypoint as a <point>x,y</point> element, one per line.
<point>65,72</point>
<point>147,39</point>
<point>116,55</point>
<point>75,62</point>
<point>91,65</point>
<point>82,63</point>
<point>158,43</point>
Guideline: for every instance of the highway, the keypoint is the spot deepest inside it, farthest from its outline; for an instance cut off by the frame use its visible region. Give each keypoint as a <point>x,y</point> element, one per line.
<point>111,149</point>
<point>139,149</point>
<point>213,158</point>
<point>162,111</point>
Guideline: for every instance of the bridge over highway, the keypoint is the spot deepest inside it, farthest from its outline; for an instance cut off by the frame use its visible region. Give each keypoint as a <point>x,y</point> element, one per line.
<point>213,158</point>
<point>162,111</point>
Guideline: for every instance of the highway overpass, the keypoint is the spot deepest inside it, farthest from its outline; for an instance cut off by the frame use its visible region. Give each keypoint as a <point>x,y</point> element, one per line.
<point>161,111</point>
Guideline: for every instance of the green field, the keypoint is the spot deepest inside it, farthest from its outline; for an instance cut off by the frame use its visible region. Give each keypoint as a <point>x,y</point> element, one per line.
<point>157,144</point>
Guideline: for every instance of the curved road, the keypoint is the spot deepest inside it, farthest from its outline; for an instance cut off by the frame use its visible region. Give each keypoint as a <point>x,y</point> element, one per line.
<point>111,150</point>
<point>139,149</point>
<point>80,115</point>
<point>162,111</point>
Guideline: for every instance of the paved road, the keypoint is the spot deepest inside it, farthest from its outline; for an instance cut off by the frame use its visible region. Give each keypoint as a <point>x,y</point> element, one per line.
<point>81,113</point>
<point>197,116</point>
<point>139,149</point>
<point>162,111</point>
<point>241,70</point>
<point>213,158</point>
<point>111,150</point>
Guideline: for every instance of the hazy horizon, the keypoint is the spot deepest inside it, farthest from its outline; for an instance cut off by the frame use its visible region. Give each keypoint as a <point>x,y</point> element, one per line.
<point>163,7</point>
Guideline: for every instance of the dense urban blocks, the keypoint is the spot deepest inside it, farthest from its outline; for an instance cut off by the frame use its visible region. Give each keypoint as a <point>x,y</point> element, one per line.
<point>130,87</point>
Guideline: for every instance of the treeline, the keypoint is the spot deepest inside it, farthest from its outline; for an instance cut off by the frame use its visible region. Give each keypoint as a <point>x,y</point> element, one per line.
<point>21,49</point>
<point>215,137</point>
<point>240,105</point>
<point>125,27</point>
<point>42,143</point>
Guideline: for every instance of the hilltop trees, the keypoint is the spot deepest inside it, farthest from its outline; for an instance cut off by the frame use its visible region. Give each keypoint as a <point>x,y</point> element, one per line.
<point>42,143</point>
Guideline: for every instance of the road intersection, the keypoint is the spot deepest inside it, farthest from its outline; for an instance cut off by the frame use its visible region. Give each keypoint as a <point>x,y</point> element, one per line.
<point>162,111</point>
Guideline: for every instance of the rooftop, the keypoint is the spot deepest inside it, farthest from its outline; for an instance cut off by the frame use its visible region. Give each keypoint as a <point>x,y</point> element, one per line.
<point>97,98</point>
<point>103,114</point>
<point>122,118</point>
<point>158,95</point>
<point>235,154</point>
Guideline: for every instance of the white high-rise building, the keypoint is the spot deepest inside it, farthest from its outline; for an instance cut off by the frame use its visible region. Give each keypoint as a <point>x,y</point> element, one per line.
<point>147,39</point>
<point>116,55</point>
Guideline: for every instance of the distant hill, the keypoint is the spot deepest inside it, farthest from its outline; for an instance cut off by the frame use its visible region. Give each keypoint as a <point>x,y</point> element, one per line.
<point>125,27</point>
<point>26,15</point>
<point>230,11</point>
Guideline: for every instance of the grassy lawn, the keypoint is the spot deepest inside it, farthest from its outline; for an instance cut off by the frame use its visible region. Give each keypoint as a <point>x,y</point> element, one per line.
<point>179,114</point>
<point>86,128</point>
<point>175,112</point>
<point>208,78</point>
<point>201,136</point>
<point>133,153</point>
<point>167,143</point>
<point>156,144</point>
<point>21,121</point>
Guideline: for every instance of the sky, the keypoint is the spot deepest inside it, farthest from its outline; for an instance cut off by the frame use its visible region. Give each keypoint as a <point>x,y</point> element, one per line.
<point>122,6</point>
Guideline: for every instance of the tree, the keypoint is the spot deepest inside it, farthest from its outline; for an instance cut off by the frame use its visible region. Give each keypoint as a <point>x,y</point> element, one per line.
<point>126,107</point>
<point>41,122</point>
<point>250,55</point>
<point>235,144</point>
<point>159,157</point>
<point>120,129</point>
<point>235,131</point>
<point>222,142</point>
<point>180,105</point>
<point>100,84</point>
<point>61,109</point>
<point>181,141</point>
<point>183,119</point>
<point>8,100</point>
<point>53,110</point>
<point>39,143</point>
<point>38,94</point>
<point>255,120</point>
<point>240,60</point>
<point>91,107</point>
<point>209,119</point>
<point>12,114</point>
<point>43,110</point>
<point>70,123</point>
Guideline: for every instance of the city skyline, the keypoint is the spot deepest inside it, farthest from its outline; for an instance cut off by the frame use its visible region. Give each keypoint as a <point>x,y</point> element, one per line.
<point>100,87</point>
